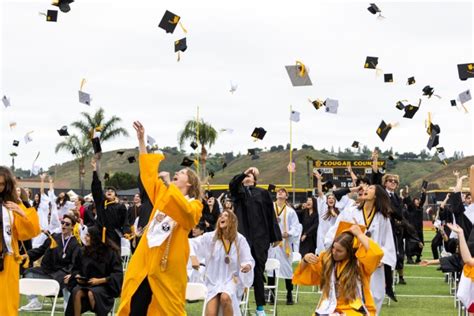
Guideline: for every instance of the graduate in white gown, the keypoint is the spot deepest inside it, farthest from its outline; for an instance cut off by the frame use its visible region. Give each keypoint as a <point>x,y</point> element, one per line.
<point>196,266</point>
<point>291,230</point>
<point>373,212</point>
<point>229,266</point>
<point>43,215</point>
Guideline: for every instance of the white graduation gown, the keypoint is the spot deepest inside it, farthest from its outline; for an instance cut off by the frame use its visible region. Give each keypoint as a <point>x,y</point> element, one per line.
<point>381,233</point>
<point>43,215</point>
<point>324,224</point>
<point>63,209</point>
<point>226,278</point>
<point>294,229</point>
<point>465,291</point>
<point>196,276</point>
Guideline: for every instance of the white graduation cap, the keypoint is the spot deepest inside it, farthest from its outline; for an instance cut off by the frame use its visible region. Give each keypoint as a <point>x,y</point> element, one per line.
<point>233,87</point>
<point>295,116</point>
<point>465,96</point>
<point>28,138</point>
<point>150,140</point>
<point>84,98</point>
<point>226,130</point>
<point>331,105</point>
<point>6,101</point>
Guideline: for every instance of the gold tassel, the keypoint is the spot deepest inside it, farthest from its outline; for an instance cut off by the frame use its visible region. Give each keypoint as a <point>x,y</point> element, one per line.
<point>103,234</point>
<point>182,27</point>
<point>26,265</point>
<point>54,244</point>
<point>83,81</point>
<point>302,72</point>
<point>428,124</point>
<point>77,234</point>
<point>179,56</point>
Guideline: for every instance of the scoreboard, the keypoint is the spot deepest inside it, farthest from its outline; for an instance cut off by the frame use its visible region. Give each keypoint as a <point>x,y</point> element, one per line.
<point>336,170</point>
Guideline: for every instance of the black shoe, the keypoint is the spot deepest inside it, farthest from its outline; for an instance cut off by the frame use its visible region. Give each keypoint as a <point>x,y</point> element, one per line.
<point>418,260</point>
<point>410,261</point>
<point>392,297</point>
<point>289,299</point>
<point>272,299</point>
<point>402,281</point>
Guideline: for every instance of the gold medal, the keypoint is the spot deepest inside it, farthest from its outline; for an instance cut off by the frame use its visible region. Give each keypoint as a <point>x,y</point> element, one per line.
<point>227,259</point>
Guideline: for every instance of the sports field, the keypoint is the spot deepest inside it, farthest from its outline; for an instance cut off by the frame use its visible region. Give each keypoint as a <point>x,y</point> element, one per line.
<point>426,293</point>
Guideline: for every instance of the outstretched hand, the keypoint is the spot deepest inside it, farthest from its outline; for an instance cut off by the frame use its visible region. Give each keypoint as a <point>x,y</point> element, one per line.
<point>455,228</point>
<point>94,164</point>
<point>252,170</point>
<point>139,129</point>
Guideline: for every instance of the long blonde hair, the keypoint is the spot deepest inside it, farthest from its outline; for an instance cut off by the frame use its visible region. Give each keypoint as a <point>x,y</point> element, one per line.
<point>230,231</point>
<point>194,191</point>
<point>347,285</point>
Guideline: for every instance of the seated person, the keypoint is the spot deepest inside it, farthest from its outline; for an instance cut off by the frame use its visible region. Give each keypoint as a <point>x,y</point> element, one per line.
<point>59,253</point>
<point>96,278</point>
<point>196,266</point>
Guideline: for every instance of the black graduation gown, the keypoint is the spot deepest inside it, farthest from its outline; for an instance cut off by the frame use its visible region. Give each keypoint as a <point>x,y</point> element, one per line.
<point>110,267</point>
<point>90,219</point>
<point>310,225</point>
<point>53,264</point>
<point>210,217</point>
<point>113,216</point>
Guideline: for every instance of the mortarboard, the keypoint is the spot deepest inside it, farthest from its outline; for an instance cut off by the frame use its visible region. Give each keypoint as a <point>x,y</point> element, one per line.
<point>331,105</point>
<point>74,151</point>
<point>295,116</point>
<point>259,133</point>
<point>150,140</point>
<point>411,81</point>
<point>374,9</point>
<point>16,143</point>
<point>465,96</point>
<point>106,176</point>
<point>96,145</point>
<point>120,152</point>
<point>131,159</point>
<point>63,131</point>
<point>391,158</point>
<point>169,22</point>
<point>6,101</point>
<point>441,154</point>
<point>355,144</point>
<point>84,97</point>
<point>51,15</point>
<point>429,92</point>
<point>383,130</point>
<point>211,174</point>
<point>180,45</point>
<point>400,105</point>
<point>233,87</point>
<point>187,162</point>
<point>433,128</point>
<point>388,77</point>
<point>453,103</point>
<point>371,62</point>
<point>298,74</point>
<point>316,103</point>
<point>433,140</point>
<point>224,165</point>
<point>410,111</point>
<point>193,145</point>
<point>28,138</point>
<point>466,71</point>
<point>251,151</point>
<point>63,5</point>
<point>271,188</point>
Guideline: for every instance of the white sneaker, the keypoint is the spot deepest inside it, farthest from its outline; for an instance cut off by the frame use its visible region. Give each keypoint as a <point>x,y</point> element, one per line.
<point>261,313</point>
<point>34,305</point>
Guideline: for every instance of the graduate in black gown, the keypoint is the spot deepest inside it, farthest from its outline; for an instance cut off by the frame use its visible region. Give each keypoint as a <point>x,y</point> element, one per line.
<point>96,278</point>
<point>210,213</point>
<point>415,218</point>
<point>257,222</point>
<point>309,219</point>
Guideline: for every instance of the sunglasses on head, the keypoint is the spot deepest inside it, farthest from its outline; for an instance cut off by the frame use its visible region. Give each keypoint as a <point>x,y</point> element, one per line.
<point>67,224</point>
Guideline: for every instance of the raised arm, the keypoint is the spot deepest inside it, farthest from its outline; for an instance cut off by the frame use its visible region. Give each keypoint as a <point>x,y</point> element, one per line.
<point>353,175</point>
<point>96,187</point>
<point>376,177</point>
<point>319,183</point>
<point>42,177</point>
<point>463,248</point>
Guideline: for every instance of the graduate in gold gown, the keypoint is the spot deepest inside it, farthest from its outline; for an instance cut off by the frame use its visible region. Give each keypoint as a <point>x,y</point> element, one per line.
<point>17,223</point>
<point>155,281</point>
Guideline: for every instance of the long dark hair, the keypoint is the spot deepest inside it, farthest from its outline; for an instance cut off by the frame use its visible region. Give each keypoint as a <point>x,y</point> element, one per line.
<point>315,205</point>
<point>96,249</point>
<point>60,203</point>
<point>9,191</point>
<point>382,201</point>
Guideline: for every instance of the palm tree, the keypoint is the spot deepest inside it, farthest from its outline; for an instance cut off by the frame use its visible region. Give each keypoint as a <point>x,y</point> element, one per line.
<point>207,137</point>
<point>81,146</point>
<point>13,155</point>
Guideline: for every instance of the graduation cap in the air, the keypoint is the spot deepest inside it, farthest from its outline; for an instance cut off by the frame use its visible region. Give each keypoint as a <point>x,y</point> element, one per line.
<point>411,81</point>
<point>51,15</point>
<point>383,130</point>
<point>391,158</point>
<point>63,5</point>
<point>466,71</point>
<point>131,159</point>
<point>180,45</point>
<point>374,9</point>
<point>187,162</point>
<point>16,143</point>
<point>259,133</point>
<point>433,140</point>
<point>271,188</point>
<point>84,97</point>
<point>211,174</point>
<point>298,74</point>
<point>194,145</point>
<point>317,103</point>
<point>331,105</point>
<point>328,185</point>
<point>355,144</point>
<point>169,22</point>
<point>400,105</point>
<point>63,131</point>
<point>453,103</point>
<point>224,165</point>
<point>371,62</point>
<point>410,111</point>
<point>429,92</point>
<point>465,96</point>
<point>295,116</point>
<point>388,77</point>
<point>106,176</point>
<point>27,138</point>
<point>120,152</point>
<point>96,145</point>
<point>6,101</point>
<point>74,151</point>
<point>253,153</point>
<point>441,154</point>
<point>150,140</point>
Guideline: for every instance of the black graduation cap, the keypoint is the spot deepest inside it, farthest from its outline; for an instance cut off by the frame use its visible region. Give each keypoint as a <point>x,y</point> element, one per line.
<point>411,81</point>
<point>120,152</point>
<point>180,45</point>
<point>259,133</point>
<point>74,151</point>
<point>194,145</point>
<point>433,141</point>
<point>371,62</point>
<point>251,151</point>
<point>255,157</point>
<point>271,187</point>
<point>16,143</point>
<point>433,128</point>
<point>187,162</point>
<point>63,131</point>
<point>327,185</point>
<point>428,91</point>
<point>169,22</point>
<point>52,16</point>
<point>400,105</point>
<point>466,71</point>
<point>383,130</point>
<point>374,9</point>
<point>211,174</point>
<point>391,158</point>
<point>410,111</point>
<point>96,145</point>
<point>453,103</point>
<point>388,77</point>
<point>355,144</point>
<point>63,5</point>
<point>131,159</point>
<point>106,176</point>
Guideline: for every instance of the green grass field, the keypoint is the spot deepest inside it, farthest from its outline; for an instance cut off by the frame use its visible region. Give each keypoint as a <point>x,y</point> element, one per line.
<point>426,293</point>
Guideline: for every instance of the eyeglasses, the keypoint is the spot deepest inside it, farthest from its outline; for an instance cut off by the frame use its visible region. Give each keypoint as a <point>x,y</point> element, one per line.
<point>67,224</point>
<point>392,180</point>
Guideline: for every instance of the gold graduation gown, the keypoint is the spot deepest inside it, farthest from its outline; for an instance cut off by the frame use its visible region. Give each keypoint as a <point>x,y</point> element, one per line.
<point>23,228</point>
<point>368,259</point>
<point>168,287</point>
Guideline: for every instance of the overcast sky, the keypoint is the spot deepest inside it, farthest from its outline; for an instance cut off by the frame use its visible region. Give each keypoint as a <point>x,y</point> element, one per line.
<point>131,71</point>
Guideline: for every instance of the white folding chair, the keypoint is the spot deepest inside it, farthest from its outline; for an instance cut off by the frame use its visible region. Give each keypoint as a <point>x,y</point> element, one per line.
<point>125,253</point>
<point>296,259</point>
<point>272,266</point>
<point>43,287</point>
<point>244,303</point>
<point>197,292</point>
